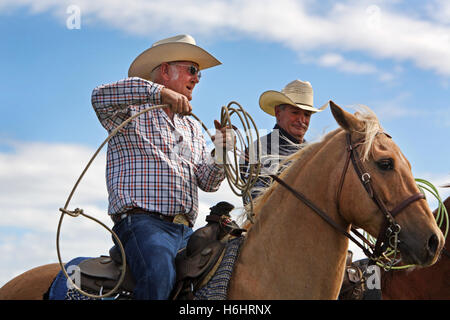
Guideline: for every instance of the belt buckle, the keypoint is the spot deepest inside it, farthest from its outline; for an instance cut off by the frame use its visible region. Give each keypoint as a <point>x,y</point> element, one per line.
<point>181,219</point>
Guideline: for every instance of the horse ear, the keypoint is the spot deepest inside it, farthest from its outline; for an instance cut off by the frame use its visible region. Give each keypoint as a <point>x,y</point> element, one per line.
<point>345,119</point>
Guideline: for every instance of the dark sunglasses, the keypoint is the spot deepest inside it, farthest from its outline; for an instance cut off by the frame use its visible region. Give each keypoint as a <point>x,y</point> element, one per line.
<point>193,70</point>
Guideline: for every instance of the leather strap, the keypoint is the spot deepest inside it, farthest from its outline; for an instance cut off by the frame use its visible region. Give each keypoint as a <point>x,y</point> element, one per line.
<point>118,217</point>
<point>322,214</point>
<point>407,202</point>
<point>389,225</point>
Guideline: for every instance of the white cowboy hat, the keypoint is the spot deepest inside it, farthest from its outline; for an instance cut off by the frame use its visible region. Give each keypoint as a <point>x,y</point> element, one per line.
<point>296,93</point>
<point>178,48</point>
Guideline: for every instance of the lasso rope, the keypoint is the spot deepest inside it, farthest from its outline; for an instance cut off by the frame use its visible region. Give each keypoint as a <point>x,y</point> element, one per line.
<point>239,186</point>
<point>442,219</point>
<point>233,174</point>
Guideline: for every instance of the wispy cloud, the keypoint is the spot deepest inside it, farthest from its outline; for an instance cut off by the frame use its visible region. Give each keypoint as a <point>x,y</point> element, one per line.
<point>37,178</point>
<point>395,107</point>
<point>339,62</point>
<point>439,10</point>
<point>403,106</point>
<point>381,31</point>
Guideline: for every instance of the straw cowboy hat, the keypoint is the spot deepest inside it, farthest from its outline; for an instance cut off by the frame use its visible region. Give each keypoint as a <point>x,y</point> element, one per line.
<point>178,48</point>
<point>296,93</point>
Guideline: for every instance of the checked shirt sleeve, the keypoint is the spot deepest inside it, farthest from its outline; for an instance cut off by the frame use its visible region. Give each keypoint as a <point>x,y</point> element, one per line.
<point>113,103</point>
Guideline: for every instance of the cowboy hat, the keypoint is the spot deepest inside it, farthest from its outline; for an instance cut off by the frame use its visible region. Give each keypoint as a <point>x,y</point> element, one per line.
<point>296,93</point>
<point>178,48</point>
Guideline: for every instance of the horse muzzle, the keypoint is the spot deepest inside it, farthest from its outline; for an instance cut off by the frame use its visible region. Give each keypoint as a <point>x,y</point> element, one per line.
<point>420,250</point>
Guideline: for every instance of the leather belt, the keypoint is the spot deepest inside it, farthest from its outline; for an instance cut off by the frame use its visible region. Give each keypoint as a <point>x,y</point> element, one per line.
<point>178,218</point>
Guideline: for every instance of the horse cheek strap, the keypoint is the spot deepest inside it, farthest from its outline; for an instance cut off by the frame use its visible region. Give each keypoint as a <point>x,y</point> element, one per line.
<point>390,229</point>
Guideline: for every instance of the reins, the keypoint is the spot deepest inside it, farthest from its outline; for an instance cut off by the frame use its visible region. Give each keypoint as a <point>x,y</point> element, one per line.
<point>388,236</point>
<point>237,184</point>
<point>321,213</point>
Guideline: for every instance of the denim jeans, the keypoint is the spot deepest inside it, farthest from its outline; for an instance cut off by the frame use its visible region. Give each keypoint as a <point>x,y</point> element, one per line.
<point>151,245</point>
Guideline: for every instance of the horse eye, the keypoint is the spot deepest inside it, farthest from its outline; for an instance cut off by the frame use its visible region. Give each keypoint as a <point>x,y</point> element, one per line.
<point>386,164</point>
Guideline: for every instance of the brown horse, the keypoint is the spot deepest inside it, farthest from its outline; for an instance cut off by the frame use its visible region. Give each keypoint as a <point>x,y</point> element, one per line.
<point>432,283</point>
<point>292,253</point>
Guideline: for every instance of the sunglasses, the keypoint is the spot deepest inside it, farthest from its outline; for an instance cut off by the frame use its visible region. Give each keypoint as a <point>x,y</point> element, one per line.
<point>193,70</point>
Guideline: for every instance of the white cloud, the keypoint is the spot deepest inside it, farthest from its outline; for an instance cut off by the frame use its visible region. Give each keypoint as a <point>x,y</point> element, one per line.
<point>395,107</point>
<point>36,181</point>
<point>339,62</point>
<point>37,178</point>
<point>382,31</point>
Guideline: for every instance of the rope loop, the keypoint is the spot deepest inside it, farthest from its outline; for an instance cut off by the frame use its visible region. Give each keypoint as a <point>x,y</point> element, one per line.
<point>74,213</point>
<point>243,152</point>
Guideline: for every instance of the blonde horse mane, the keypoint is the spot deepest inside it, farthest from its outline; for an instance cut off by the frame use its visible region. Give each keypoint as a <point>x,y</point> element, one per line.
<point>371,127</point>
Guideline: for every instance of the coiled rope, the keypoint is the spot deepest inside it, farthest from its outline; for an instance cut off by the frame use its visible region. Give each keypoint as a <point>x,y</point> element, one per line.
<point>232,169</point>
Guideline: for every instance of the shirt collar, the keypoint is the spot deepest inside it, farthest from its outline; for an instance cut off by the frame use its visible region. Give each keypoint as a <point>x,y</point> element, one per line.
<point>286,134</point>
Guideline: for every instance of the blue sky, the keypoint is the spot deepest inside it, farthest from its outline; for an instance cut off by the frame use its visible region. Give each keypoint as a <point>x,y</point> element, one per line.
<point>389,55</point>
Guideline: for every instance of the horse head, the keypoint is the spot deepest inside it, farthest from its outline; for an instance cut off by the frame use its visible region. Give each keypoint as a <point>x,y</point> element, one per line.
<point>382,194</point>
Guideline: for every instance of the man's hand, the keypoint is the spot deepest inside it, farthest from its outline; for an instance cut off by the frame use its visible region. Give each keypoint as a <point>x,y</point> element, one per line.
<point>224,139</point>
<point>178,103</point>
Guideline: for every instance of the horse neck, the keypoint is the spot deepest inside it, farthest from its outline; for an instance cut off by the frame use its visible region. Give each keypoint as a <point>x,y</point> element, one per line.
<point>291,252</point>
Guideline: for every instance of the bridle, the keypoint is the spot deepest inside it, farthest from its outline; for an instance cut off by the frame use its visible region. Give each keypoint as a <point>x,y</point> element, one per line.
<point>388,236</point>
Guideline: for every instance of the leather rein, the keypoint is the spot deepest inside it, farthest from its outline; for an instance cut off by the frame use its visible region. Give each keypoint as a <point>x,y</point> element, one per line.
<point>388,236</point>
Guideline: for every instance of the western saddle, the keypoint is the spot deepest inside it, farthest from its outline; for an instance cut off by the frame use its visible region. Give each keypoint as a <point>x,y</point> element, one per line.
<point>195,264</point>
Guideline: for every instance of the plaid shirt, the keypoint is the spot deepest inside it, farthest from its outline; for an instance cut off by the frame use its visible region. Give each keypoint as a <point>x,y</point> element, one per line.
<point>152,163</point>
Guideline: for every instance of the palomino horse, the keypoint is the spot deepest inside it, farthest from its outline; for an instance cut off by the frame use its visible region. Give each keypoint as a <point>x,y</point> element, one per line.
<point>431,283</point>
<point>292,253</point>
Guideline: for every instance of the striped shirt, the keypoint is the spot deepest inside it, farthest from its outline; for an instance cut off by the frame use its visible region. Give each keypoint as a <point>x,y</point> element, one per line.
<point>275,147</point>
<point>152,162</point>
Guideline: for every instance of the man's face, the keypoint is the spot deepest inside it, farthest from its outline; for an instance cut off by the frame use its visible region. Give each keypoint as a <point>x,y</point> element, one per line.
<point>293,119</point>
<point>182,77</point>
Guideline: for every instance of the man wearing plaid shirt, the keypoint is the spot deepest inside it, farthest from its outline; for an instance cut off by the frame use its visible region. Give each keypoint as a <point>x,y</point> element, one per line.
<point>156,163</point>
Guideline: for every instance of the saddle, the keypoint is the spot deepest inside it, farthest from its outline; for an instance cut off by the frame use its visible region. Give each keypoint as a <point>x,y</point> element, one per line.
<point>354,285</point>
<point>195,264</point>
<point>100,275</point>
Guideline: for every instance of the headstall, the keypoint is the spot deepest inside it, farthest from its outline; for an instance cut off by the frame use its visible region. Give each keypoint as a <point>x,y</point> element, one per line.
<point>388,236</point>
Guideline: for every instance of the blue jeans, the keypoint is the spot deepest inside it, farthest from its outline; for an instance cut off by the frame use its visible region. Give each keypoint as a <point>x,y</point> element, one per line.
<point>151,245</point>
